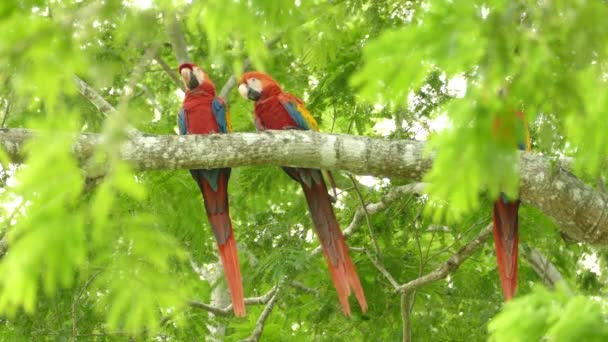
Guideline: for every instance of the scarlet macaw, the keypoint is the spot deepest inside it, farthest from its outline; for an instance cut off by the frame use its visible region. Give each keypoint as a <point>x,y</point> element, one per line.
<point>204,113</point>
<point>505,217</point>
<point>275,109</point>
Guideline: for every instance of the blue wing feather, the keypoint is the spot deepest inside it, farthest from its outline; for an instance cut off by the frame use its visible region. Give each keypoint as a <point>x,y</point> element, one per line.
<point>182,124</point>
<point>295,114</point>
<point>219,110</point>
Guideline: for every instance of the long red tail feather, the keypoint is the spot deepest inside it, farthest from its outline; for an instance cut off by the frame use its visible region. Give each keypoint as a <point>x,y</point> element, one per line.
<point>506,240</point>
<point>341,267</point>
<point>216,206</point>
<point>230,260</point>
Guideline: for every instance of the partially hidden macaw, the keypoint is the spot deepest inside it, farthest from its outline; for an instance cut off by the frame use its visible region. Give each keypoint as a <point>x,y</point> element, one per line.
<point>204,113</point>
<point>505,217</point>
<point>275,109</point>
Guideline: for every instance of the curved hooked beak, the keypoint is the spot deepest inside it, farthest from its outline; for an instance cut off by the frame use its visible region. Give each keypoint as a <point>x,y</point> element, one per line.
<point>190,80</point>
<point>249,93</point>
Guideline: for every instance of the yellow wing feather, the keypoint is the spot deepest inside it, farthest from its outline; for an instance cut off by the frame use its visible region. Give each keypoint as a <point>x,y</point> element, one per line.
<point>312,123</point>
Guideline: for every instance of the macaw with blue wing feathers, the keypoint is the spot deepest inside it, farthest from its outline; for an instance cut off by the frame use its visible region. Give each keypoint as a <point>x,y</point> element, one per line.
<point>204,113</point>
<point>275,109</point>
<point>506,219</point>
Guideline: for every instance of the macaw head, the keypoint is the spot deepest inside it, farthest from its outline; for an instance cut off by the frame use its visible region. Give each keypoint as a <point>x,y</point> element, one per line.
<point>255,85</point>
<point>192,75</point>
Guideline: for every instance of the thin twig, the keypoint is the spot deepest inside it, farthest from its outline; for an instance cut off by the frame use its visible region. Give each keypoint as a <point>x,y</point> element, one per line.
<point>367,217</point>
<point>3,246</point>
<point>406,327</point>
<point>177,38</point>
<point>170,72</point>
<point>382,270</point>
<point>259,326</point>
<point>228,309</point>
<point>6,112</point>
<point>150,97</point>
<point>421,261</point>
<point>300,286</point>
<point>373,208</point>
<point>76,299</point>
<point>231,83</point>
<point>452,263</point>
<point>136,75</point>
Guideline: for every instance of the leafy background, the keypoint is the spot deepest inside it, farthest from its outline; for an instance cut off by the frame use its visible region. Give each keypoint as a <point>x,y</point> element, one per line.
<point>115,260</point>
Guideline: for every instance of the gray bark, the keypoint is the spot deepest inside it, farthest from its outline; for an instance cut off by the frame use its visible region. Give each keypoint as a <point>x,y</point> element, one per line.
<point>578,208</point>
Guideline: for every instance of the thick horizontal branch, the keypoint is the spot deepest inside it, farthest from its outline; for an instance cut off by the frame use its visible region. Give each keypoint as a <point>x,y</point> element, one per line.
<point>580,210</point>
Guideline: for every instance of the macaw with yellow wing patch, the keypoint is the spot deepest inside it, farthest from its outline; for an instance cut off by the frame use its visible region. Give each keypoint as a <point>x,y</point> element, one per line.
<point>506,218</point>
<point>204,113</point>
<point>275,109</point>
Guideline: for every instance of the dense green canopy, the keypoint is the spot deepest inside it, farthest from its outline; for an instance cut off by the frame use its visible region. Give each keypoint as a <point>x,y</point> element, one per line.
<point>128,253</point>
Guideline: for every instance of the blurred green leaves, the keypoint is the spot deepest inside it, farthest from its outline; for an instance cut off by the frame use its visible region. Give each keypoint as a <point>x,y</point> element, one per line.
<point>550,315</point>
<point>47,241</point>
<point>540,57</point>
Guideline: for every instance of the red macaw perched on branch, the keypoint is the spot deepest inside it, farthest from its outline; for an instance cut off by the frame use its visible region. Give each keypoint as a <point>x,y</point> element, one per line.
<point>204,113</point>
<point>505,217</point>
<point>275,109</point>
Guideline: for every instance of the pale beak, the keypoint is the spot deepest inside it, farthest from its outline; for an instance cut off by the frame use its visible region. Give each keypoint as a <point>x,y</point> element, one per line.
<point>189,79</point>
<point>243,90</point>
<point>249,93</point>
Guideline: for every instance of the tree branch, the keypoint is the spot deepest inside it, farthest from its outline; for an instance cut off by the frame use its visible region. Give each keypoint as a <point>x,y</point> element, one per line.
<point>300,286</point>
<point>231,83</point>
<point>543,267</point>
<point>406,325</point>
<point>580,210</point>
<point>259,326</point>
<point>373,208</point>
<point>366,213</point>
<point>177,39</point>
<point>76,299</point>
<point>3,246</point>
<point>228,309</point>
<point>93,96</point>
<point>170,72</point>
<point>382,270</point>
<point>451,264</point>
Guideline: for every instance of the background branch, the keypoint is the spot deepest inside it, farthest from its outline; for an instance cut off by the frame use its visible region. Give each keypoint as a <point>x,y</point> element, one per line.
<point>452,263</point>
<point>231,83</point>
<point>176,38</point>
<point>172,73</point>
<point>259,326</point>
<point>228,309</point>
<point>373,208</point>
<point>3,246</point>
<point>543,267</point>
<point>406,325</point>
<point>367,215</point>
<point>93,96</point>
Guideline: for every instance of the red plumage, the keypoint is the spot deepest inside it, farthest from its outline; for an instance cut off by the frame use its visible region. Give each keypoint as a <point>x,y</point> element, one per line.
<point>505,215</point>
<point>271,114</point>
<point>341,268</point>
<point>506,240</point>
<point>200,119</point>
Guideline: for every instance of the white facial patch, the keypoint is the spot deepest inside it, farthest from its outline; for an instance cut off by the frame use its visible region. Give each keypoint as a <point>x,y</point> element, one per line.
<point>255,84</point>
<point>199,74</point>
